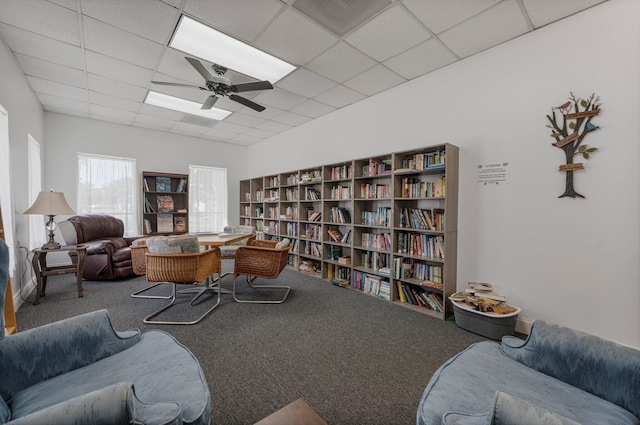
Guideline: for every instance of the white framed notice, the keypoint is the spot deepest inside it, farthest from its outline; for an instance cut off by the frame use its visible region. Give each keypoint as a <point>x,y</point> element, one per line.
<point>494,174</point>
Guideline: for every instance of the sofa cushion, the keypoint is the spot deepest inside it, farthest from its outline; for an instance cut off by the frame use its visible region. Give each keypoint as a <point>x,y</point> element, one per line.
<point>161,369</point>
<point>182,244</point>
<point>5,413</point>
<point>608,370</point>
<point>467,382</point>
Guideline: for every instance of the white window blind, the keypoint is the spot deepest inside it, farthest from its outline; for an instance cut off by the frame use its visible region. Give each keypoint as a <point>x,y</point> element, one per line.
<point>6,197</point>
<point>37,232</point>
<point>207,199</point>
<point>107,185</point>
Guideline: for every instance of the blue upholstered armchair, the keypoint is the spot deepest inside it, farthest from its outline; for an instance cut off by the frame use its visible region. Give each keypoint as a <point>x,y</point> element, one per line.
<point>82,371</point>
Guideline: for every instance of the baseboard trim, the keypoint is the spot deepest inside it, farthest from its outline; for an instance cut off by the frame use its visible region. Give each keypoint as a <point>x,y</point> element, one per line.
<point>523,325</point>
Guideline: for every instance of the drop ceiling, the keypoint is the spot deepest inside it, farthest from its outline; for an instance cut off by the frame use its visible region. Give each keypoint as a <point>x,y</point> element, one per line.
<point>97,58</point>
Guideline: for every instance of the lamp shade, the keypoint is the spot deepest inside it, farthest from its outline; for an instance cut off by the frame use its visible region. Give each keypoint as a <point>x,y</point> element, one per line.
<point>50,203</point>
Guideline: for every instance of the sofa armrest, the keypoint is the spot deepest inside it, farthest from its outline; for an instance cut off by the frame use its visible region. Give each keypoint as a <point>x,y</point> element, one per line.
<point>115,404</point>
<point>608,370</point>
<point>57,348</point>
<point>130,239</point>
<point>98,246</point>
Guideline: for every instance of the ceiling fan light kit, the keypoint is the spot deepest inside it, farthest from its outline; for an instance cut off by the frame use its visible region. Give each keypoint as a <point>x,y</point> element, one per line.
<point>183,105</point>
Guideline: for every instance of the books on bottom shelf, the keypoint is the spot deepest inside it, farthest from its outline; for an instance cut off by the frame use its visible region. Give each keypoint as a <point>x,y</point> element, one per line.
<point>165,223</point>
<point>419,296</point>
<point>373,285</point>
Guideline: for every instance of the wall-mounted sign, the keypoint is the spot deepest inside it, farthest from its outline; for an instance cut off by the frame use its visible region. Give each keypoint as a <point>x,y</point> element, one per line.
<point>493,174</point>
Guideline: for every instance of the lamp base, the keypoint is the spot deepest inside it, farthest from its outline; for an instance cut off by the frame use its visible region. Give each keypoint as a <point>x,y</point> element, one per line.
<point>49,245</point>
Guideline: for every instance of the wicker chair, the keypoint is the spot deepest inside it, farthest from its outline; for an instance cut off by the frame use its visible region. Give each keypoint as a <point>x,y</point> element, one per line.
<point>183,269</point>
<point>261,259</point>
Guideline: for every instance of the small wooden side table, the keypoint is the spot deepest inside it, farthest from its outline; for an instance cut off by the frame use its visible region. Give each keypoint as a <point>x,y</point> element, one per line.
<point>296,413</point>
<point>39,263</point>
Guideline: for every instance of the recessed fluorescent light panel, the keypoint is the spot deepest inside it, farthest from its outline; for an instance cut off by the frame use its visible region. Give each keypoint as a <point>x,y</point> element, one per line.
<point>177,104</point>
<point>199,40</point>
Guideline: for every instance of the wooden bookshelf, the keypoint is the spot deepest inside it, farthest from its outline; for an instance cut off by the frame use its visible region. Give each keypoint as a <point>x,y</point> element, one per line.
<point>387,225</point>
<point>165,203</point>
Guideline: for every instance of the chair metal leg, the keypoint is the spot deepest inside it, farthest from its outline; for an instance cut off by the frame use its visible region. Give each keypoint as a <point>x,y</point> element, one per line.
<point>251,279</point>
<point>155,297</point>
<point>173,300</point>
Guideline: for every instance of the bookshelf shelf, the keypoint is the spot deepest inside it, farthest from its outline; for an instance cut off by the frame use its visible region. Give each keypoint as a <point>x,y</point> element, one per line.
<point>165,203</point>
<point>352,222</point>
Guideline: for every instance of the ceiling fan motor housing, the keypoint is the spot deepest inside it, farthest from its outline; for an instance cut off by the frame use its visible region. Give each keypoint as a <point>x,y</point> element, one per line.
<point>219,85</point>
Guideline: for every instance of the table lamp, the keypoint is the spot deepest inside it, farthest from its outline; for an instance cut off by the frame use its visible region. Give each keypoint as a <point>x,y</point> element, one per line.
<point>50,203</point>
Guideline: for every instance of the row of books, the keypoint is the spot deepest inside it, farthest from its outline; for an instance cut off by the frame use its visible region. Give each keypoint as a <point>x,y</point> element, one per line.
<point>273,181</point>
<point>376,168</point>
<point>337,236</point>
<point>292,179</point>
<point>420,296</point>
<point>310,267</point>
<point>340,172</point>
<point>424,161</point>
<point>313,215</point>
<point>340,192</point>
<point>375,260</point>
<point>163,184</point>
<point>339,215</point>
<point>312,176</point>
<point>313,231</point>
<point>417,218</point>
<point>406,268</point>
<point>272,212</point>
<point>291,194</point>
<point>290,213</point>
<point>380,217</point>
<point>313,249</point>
<point>372,284</point>
<point>375,191</point>
<point>412,188</point>
<point>311,194</point>
<point>421,245</point>
<point>380,241</point>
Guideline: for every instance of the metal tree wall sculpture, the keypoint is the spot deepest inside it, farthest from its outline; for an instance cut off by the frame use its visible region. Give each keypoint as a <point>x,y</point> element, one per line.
<point>569,129</point>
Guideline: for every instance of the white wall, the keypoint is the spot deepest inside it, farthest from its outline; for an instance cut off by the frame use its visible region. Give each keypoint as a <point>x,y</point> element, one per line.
<point>25,117</point>
<point>153,150</point>
<point>568,261</point>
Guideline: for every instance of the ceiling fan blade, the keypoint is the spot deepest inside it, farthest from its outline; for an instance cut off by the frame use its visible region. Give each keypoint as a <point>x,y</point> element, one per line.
<point>258,85</point>
<point>246,102</point>
<point>200,68</point>
<point>208,104</point>
<point>165,83</point>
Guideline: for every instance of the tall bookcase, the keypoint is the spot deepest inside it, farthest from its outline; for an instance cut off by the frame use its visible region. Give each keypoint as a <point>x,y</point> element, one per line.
<point>385,225</point>
<point>165,203</point>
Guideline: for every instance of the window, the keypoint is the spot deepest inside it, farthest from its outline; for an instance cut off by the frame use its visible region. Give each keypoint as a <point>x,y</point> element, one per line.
<point>6,201</point>
<point>207,199</point>
<point>107,185</point>
<point>37,233</point>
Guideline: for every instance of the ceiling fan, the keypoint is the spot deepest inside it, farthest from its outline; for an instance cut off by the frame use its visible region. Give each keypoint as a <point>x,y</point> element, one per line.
<point>221,86</point>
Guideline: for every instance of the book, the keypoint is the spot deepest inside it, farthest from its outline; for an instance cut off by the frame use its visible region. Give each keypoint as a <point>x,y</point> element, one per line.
<point>165,223</point>
<point>344,260</point>
<point>146,185</point>
<point>163,184</point>
<point>147,226</point>
<point>179,224</point>
<point>165,203</point>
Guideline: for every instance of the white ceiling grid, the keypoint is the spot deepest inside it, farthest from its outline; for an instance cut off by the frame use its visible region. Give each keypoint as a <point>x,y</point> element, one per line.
<point>96,58</point>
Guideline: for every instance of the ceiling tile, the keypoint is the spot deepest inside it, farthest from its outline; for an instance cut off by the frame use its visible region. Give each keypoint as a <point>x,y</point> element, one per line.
<point>233,128</point>
<point>69,4</point>
<point>440,15</point>
<point>377,40</point>
<point>543,12</point>
<point>244,19</point>
<point>117,43</point>
<point>150,19</point>
<point>305,83</point>
<point>246,120</point>
<point>313,109</point>
<point>116,88</point>
<point>262,134</point>
<point>280,98</point>
<point>113,102</point>
<point>291,119</point>
<point>341,62</point>
<point>38,46</point>
<point>220,134</point>
<point>115,69</point>
<point>57,89</point>
<point>52,71</point>
<point>65,111</point>
<point>105,111</point>
<point>273,126</point>
<point>43,18</point>
<point>246,139</point>
<point>340,96</point>
<point>375,80</point>
<point>422,59</point>
<point>155,122</point>
<point>267,114</point>
<point>189,128</point>
<point>294,38</point>
<point>52,101</point>
<point>490,28</point>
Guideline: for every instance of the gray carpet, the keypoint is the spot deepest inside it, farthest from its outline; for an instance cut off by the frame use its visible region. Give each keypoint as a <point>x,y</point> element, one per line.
<point>355,359</point>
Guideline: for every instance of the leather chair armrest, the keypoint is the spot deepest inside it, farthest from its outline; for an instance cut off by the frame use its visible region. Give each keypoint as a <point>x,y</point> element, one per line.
<point>130,239</point>
<point>100,246</point>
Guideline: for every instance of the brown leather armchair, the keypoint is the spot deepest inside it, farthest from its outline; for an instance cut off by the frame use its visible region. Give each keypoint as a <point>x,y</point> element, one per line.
<point>108,251</point>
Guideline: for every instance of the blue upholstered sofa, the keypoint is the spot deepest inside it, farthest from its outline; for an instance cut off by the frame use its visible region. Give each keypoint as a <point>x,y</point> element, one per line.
<point>82,371</point>
<point>557,376</point>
